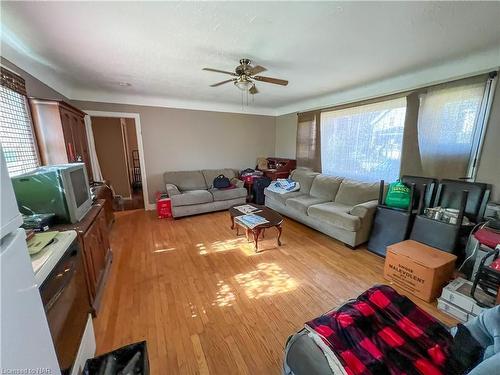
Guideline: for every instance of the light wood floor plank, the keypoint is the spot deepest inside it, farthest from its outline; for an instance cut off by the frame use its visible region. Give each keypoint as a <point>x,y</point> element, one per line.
<point>208,304</point>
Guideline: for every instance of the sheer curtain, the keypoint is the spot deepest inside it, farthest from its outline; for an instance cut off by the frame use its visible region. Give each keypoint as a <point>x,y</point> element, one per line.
<point>364,142</point>
<point>448,128</point>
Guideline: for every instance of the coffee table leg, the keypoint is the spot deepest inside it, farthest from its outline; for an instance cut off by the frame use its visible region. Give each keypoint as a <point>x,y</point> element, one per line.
<point>232,222</point>
<point>279,234</point>
<point>256,234</point>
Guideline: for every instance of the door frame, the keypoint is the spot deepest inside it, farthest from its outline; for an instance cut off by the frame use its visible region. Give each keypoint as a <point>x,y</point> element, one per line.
<point>138,131</point>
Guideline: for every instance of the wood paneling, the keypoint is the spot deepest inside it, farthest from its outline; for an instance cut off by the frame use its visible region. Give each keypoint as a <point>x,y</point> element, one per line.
<point>207,303</point>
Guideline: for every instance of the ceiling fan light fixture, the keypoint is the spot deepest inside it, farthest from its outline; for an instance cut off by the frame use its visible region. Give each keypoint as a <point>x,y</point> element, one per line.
<point>243,85</point>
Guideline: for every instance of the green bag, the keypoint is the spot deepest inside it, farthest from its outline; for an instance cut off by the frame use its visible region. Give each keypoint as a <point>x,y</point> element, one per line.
<point>398,195</point>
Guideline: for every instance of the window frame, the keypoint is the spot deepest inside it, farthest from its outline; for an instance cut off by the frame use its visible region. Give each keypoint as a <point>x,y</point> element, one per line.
<point>15,84</point>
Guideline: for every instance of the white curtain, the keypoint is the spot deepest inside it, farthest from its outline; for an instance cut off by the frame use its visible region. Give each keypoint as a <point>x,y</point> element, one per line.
<point>447,128</point>
<point>96,169</point>
<point>364,142</point>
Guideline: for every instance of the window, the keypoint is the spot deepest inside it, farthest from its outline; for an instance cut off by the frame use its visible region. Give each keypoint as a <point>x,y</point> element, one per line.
<point>16,131</point>
<point>364,142</point>
<point>307,142</point>
<point>450,124</point>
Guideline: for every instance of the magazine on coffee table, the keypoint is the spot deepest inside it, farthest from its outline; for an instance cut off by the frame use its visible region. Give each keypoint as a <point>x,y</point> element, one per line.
<point>251,221</point>
<point>247,209</point>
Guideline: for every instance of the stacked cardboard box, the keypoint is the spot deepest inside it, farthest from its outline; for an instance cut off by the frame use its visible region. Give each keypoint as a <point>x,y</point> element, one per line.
<point>419,269</point>
<point>456,300</point>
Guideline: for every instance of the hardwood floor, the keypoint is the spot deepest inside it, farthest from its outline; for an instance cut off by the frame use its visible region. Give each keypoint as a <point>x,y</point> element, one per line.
<point>207,303</point>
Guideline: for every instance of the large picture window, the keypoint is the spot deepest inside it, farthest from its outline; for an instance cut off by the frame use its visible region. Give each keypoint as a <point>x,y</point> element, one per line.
<point>16,133</point>
<point>364,142</point>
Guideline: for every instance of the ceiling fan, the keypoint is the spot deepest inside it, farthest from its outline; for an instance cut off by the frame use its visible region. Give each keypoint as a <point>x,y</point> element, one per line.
<point>245,74</point>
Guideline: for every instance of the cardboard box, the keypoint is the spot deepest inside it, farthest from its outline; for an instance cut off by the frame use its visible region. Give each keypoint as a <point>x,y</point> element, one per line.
<point>458,292</point>
<point>419,269</point>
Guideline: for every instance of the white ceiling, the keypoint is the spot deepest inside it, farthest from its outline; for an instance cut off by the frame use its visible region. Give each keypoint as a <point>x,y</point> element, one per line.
<point>84,49</point>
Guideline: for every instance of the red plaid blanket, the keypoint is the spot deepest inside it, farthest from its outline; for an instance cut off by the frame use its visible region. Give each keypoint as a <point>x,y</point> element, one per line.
<point>383,332</point>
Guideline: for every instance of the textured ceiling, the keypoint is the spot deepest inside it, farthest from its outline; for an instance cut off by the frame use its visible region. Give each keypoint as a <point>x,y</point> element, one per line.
<point>84,49</point>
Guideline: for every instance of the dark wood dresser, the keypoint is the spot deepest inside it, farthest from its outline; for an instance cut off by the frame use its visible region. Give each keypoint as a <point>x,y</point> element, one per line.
<point>93,237</point>
<point>279,168</point>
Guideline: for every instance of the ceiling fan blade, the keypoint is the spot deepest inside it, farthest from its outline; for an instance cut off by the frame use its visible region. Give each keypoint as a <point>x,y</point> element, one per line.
<point>219,71</point>
<point>253,90</point>
<point>221,83</point>
<point>257,69</point>
<point>276,81</point>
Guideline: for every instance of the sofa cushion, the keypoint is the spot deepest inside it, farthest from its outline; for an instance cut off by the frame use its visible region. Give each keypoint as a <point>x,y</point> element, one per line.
<point>325,187</point>
<point>354,192</point>
<point>336,214</point>
<point>210,174</point>
<point>304,177</point>
<point>186,180</point>
<point>281,198</point>
<point>302,202</point>
<point>192,197</point>
<point>226,194</point>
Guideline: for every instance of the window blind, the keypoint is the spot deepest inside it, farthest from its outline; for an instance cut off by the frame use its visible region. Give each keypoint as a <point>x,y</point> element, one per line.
<point>364,143</point>
<point>16,132</point>
<point>308,142</point>
<point>449,124</point>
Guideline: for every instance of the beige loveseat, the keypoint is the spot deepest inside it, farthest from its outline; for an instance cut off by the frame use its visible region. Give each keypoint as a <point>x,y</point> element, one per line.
<point>338,207</point>
<point>192,192</point>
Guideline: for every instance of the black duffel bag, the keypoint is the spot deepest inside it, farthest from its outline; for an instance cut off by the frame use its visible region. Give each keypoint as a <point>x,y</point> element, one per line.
<point>221,182</point>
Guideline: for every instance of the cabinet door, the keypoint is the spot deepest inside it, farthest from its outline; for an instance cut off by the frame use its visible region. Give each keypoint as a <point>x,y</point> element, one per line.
<point>94,253</point>
<point>84,145</point>
<point>66,123</point>
<point>103,231</point>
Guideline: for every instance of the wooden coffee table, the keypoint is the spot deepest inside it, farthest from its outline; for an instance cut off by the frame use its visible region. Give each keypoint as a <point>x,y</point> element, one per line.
<point>274,220</point>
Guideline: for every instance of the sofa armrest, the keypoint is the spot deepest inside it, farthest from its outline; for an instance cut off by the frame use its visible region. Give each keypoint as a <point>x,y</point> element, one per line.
<point>172,190</point>
<point>364,210</point>
<point>237,182</point>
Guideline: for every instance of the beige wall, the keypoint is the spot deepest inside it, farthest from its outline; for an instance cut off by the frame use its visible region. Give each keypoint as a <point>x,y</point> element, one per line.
<point>489,161</point>
<point>179,139</point>
<point>286,136</point>
<point>111,153</point>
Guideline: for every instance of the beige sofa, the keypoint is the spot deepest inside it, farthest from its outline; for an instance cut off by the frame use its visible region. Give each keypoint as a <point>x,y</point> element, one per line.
<point>338,207</point>
<point>192,192</point>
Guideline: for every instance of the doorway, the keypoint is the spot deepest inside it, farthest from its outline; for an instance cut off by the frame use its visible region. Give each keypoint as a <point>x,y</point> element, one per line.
<point>118,153</point>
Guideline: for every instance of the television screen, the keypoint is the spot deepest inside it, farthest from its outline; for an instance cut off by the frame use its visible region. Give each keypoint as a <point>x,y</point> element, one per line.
<point>79,186</point>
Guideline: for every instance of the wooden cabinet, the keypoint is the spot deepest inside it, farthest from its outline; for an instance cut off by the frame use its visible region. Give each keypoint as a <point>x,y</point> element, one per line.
<point>93,237</point>
<point>104,192</point>
<point>61,134</point>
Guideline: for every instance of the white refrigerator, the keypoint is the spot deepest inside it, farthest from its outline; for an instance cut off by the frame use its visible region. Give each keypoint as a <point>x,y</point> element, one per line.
<point>25,342</point>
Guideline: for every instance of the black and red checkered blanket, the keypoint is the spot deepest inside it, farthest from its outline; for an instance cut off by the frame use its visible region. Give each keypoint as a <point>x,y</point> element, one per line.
<point>383,332</point>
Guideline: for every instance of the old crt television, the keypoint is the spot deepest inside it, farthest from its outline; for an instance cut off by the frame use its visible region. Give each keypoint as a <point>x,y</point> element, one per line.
<point>59,189</point>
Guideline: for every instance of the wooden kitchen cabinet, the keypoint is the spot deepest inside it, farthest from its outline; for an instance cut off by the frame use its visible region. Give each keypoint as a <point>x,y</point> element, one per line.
<point>93,237</point>
<point>103,191</point>
<point>61,133</point>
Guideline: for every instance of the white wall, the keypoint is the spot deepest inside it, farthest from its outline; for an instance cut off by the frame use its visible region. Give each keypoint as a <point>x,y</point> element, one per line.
<point>286,136</point>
